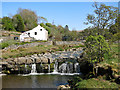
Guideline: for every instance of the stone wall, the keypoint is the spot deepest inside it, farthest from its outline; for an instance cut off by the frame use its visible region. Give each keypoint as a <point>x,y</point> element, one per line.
<point>68,42</point>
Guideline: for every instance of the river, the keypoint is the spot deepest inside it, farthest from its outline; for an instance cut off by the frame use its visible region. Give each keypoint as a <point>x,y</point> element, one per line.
<point>35,81</point>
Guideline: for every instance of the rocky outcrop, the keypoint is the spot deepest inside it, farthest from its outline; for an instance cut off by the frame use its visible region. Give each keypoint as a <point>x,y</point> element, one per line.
<point>46,58</point>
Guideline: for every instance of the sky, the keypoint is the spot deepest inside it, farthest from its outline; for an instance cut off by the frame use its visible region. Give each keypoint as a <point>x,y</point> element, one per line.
<point>72,14</point>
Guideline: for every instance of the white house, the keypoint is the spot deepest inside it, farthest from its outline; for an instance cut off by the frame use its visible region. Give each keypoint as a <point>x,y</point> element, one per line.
<point>38,33</point>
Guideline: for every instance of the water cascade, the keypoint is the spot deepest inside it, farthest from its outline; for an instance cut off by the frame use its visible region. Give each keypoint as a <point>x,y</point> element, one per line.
<point>77,67</point>
<point>25,67</point>
<point>41,67</point>
<point>55,67</point>
<point>33,68</point>
<point>69,68</point>
<point>48,68</point>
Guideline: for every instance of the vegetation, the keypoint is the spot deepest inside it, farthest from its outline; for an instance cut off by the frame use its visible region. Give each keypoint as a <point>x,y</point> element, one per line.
<point>7,43</point>
<point>96,83</point>
<point>7,24</point>
<point>35,50</point>
<point>29,18</point>
<point>96,48</point>
<point>103,18</point>
<point>18,23</point>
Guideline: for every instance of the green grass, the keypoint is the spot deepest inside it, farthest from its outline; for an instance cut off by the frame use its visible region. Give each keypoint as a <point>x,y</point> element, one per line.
<point>33,50</point>
<point>112,59</point>
<point>14,42</point>
<point>96,83</point>
<point>7,43</point>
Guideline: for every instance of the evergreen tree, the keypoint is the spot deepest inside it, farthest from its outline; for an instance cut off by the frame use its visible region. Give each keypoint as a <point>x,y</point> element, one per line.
<point>18,23</point>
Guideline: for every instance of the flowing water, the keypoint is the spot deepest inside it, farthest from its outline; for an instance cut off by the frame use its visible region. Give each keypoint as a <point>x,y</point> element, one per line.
<point>59,76</point>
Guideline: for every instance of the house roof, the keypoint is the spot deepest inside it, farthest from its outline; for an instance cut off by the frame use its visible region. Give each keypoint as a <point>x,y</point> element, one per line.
<point>38,27</point>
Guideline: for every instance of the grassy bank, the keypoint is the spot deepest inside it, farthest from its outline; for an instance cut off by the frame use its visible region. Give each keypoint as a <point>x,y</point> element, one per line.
<point>101,81</point>
<point>36,50</point>
<point>96,83</point>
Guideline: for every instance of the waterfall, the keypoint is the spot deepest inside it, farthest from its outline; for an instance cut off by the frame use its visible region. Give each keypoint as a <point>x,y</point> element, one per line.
<point>68,68</point>
<point>77,67</point>
<point>41,67</point>
<point>25,68</point>
<point>55,67</point>
<point>33,68</point>
<point>48,68</point>
<point>63,67</point>
<point>71,68</point>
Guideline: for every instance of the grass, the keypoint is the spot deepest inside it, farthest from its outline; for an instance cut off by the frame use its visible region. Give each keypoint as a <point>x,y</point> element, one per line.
<point>25,51</point>
<point>14,42</point>
<point>96,83</point>
<point>7,43</point>
<point>33,50</point>
<point>113,59</point>
<point>100,82</point>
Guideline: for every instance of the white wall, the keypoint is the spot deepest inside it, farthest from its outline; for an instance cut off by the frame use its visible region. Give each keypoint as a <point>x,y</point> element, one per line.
<point>41,35</point>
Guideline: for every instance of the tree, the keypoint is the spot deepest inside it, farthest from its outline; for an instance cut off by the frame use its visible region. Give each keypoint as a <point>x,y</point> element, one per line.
<point>42,19</point>
<point>18,23</point>
<point>104,16</point>
<point>29,18</point>
<point>96,48</point>
<point>66,27</point>
<point>7,24</point>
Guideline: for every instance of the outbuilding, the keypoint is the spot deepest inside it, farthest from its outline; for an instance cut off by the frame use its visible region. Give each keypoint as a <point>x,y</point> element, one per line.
<point>37,33</point>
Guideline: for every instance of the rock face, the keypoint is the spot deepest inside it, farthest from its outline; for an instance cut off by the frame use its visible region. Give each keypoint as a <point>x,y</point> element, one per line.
<point>46,59</point>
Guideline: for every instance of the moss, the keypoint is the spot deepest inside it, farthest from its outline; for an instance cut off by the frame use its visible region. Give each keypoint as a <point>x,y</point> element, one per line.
<point>6,71</point>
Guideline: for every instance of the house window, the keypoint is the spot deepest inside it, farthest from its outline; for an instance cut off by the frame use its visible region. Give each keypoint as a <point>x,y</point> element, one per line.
<point>40,29</point>
<point>29,34</point>
<point>35,33</point>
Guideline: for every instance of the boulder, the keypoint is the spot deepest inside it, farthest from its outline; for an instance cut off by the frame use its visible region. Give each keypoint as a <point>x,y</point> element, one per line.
<point>28,60</point>
<point>44,59</point>
<point>22,60</point>
<point>63,87</point>
<point>38,59</point>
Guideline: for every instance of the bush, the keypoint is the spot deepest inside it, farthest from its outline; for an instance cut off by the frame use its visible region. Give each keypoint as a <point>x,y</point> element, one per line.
<point>3,45</point>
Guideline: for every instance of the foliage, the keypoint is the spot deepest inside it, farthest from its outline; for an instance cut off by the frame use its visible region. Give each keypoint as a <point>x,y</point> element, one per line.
<point>42,19</point>
<point>18,23</point>
<point>20,52</point>
<point>103,18</point>
<point>7,24</point>
<point>66,27</point>
<point>96,47</point>
<point>96,83</point>
<point>7,43</point>
<point>29,18</point>
<point>46,27</point>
